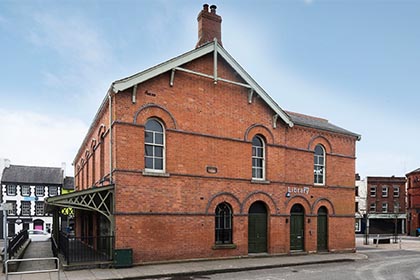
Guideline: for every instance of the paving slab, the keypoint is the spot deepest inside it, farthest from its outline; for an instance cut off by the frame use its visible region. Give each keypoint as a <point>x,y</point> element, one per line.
<point>42,249</point>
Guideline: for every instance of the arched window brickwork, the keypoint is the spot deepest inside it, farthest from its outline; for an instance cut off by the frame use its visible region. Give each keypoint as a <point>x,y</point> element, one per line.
<point>223,224</point>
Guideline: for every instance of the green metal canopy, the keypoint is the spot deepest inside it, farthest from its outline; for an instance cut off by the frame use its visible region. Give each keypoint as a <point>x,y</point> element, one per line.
<point>99,199</point>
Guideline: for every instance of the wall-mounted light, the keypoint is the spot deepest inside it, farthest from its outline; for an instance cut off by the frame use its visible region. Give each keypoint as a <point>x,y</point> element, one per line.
<point>309,220</point>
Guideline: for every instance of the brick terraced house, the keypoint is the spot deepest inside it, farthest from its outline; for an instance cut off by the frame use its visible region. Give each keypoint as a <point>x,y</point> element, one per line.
<point>386,204</point>
<point>413,202</point>
<point>193,159</point>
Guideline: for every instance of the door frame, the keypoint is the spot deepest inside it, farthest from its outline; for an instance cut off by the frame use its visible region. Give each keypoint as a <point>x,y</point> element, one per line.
<point>297,212</point>
<point>261,211</point>
<point>324,215</point>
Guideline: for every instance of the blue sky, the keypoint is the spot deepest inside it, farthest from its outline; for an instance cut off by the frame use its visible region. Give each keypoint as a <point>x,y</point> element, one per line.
<point>356,63</point>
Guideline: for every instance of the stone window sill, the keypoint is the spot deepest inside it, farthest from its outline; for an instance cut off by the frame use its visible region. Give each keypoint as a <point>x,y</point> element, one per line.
<point>253,181</point>
<point>155,174</point>
<point>223,246</point>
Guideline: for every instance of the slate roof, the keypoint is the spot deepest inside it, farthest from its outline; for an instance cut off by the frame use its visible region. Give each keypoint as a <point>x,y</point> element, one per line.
<point>318,123</point>
<point>33,175</point>
<point>414,171</point>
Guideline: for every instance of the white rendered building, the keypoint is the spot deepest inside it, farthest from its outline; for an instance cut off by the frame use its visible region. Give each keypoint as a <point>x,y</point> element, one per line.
<point>26,187</point>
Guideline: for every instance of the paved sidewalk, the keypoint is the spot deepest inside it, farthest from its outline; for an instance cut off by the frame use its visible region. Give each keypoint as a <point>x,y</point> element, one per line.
<point>42,249</point>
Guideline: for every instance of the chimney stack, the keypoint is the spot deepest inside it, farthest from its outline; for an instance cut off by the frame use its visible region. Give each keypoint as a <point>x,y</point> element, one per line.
<point>209,26</point>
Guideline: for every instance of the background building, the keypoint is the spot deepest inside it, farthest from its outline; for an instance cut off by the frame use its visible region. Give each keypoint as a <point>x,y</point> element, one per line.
<point>360,193</point>
<point>413,202</point>
<point>386,204</point>
<point>26,187</point>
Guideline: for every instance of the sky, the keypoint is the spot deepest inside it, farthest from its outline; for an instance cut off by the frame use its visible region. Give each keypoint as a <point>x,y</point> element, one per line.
<point>355,63</point>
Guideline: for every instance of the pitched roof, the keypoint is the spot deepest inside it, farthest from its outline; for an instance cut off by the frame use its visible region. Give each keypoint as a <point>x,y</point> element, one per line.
<point>211,47</point>
<point>318,123</point>
<point>33,175</point>
<point>174,63</point>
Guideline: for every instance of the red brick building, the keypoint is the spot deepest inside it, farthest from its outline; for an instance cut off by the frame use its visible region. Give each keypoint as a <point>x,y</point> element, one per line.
<point>193,159</point>
<point>413,201</point>
<point>386,204</point>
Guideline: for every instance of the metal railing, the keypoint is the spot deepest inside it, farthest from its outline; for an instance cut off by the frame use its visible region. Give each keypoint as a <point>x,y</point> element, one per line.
<point>57,269</point>
<point>86,249</point>
<point>17,242</point>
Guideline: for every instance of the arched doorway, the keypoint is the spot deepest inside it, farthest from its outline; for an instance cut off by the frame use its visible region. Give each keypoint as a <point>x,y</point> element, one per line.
<point>322,231</point>
<point>257,228</point>
<point>39,224</point>
<point>297,214</point>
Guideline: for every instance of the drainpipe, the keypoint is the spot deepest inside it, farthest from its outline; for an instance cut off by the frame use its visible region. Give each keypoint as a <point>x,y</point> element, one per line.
<point>110,136</point>
<point>112,224</point>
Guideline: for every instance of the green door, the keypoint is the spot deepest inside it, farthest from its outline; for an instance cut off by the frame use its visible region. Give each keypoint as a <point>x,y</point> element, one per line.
<point>297,228</point>
<point>322,231</point>
<point>257,228</point>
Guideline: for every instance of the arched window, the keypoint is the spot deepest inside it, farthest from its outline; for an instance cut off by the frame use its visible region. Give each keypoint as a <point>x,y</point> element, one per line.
<point>154,146</point>
<point>319,165</point>
<point>258,158</point>
<point>223,225</point>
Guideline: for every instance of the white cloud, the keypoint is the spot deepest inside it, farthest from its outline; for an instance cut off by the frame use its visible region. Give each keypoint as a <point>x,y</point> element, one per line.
<point>83,65</point>
<point>36,139</point>
<point>72,37</point>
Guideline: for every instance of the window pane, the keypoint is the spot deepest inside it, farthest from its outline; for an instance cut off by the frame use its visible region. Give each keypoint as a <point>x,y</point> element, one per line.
<point>154,125</point>
<point>149,162</point>
<point>259,152</point>
<point>159,138</point>
<point>159,152</point>
<point>148,137</point>
<point>256,141</point>
<point>319,150</point>
<point>149,150</point>
<point>159,164</point>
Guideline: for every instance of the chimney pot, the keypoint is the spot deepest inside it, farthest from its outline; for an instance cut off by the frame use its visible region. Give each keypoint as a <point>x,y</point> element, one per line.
<point>213,9</point>
<point>206,7</point>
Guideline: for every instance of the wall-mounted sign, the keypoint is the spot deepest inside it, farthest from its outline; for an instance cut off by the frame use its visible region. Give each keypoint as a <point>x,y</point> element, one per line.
<point>297,190</point>
<point>30,198</point>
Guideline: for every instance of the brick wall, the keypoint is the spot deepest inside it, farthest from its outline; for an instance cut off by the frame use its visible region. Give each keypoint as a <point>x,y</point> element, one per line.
<point>212,125</point>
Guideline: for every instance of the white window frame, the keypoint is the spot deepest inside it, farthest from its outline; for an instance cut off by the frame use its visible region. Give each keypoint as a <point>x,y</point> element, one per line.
<point>25,187</point>
<point>26,203</point>
<point>54,193</point>
<point>372,207</point>
<point>12,212</point>
<point>256,157</point>
<point>319,167</point>
<point>384,207</point>
<point>38,211</point>
<point>154,144</point>
<point>38,192</point>
<point>396,191</point>
<point>384,191</point>
<point>11,190</point>
<point>372,191</point>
